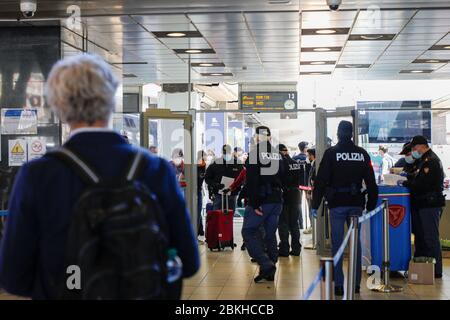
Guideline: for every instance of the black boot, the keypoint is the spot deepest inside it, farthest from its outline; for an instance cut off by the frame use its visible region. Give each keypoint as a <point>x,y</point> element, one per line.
<point>268,275</point>
<point>339,291</point>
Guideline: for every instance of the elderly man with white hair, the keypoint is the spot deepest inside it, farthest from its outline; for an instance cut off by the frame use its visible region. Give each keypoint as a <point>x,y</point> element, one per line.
<point>81,91</point>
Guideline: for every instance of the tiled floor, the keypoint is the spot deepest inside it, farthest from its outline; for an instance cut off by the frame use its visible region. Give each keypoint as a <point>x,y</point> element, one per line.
<point>229,275</point>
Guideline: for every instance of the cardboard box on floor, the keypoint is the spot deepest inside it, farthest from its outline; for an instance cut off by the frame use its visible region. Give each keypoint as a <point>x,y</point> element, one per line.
<point>421,272</point>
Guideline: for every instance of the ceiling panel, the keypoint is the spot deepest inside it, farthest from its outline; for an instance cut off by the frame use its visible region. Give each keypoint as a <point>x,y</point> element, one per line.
<point>272,16</point>
<point>319,24</point>
<point>323,41</point>
<point>216,18</point>
<point>319,56</point>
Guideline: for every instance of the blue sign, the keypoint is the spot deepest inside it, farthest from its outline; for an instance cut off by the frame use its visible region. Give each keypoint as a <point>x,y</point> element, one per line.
<point>215,131</point>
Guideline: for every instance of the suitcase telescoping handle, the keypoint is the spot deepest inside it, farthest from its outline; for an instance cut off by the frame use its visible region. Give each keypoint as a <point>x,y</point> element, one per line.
<point>226,208</point>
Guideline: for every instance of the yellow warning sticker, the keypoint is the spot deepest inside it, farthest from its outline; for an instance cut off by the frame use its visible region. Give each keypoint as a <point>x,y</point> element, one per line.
<point>17,149</point>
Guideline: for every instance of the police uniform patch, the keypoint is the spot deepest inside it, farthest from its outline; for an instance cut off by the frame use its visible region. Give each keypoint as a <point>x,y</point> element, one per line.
<point>426,170</point>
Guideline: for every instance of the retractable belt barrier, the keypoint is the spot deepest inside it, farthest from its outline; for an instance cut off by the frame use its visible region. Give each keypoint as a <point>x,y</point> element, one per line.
<point>365,217</point>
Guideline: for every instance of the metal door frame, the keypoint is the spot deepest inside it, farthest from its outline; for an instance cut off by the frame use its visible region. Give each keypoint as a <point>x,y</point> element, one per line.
<point>190,167</point>
<point>323,245</point>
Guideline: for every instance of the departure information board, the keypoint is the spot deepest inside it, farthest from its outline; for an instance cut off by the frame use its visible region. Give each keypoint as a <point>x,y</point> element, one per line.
<point>268,100</point>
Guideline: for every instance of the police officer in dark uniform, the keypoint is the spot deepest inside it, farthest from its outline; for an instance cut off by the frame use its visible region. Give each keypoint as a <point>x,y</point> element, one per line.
<point>340,178</point>
<point>225,166</point>
<point>264,194</point>
<point>427,201</point>
<point>288,223</point>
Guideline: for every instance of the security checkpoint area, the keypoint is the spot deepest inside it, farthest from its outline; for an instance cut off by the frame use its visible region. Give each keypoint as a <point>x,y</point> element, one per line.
<point>348,89</point>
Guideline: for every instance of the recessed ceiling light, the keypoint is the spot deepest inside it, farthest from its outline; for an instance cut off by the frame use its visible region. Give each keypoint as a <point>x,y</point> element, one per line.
<point>176,34</point>
<point>193,51</point>
<point>447,47</point>
<point>325,31</point>
<point>318,62</point>
<point>322,49</point>
<point>216,74</point>
<point>315,73</point>
<point>206,65</point>
<point>432,61</point>
<point>416,71</point>
<point>375,37</point>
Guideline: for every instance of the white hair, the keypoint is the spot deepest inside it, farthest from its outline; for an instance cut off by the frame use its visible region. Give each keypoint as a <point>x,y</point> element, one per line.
<point>82,89</point>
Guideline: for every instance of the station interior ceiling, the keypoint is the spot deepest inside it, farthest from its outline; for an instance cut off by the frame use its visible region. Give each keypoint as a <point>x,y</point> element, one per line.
<point>263,40</point>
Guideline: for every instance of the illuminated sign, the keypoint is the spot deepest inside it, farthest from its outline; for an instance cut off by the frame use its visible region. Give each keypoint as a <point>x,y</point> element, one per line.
<point>268,100</point>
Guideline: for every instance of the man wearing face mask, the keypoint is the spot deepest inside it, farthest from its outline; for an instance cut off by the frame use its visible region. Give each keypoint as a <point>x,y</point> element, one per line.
<point>288,223</point>
<point>408,163</point>
<point>264,193</point>
<point>225,166</point>
<point>427,201</point>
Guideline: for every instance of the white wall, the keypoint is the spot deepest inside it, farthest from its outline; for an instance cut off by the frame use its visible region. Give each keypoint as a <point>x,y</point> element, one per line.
<point>329,93</point>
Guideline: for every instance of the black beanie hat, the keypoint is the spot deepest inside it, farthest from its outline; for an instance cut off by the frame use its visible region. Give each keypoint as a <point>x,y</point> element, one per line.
<point>345,130</point>
<point>263,130</point>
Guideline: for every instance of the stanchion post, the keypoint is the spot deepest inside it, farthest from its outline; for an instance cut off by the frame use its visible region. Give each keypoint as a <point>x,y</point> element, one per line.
<point>353,258</point>
<point>386,287</point>
<point>327,280</point>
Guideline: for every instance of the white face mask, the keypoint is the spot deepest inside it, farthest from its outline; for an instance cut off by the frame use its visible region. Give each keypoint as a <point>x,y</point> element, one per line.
<point>177,161</point>
<point>409,159</point>
<point>228,157</point>
<point>308,161</point>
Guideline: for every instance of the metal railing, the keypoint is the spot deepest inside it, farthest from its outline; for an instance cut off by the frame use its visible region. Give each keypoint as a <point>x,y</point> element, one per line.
<point>325,276</point>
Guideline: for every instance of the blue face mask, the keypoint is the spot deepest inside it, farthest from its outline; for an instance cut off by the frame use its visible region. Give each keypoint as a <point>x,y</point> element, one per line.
<point>416,155</point>
<point>409,159</point>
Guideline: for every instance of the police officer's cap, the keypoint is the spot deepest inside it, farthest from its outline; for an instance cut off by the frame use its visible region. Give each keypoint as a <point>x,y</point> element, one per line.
<point>418,140</point>
<point>263,130</point>
<point>406,149</point>
<point>345,129</point>
<point>282,147</point>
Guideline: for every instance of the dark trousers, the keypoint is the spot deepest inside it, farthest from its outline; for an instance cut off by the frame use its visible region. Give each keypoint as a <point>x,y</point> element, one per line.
<point>252,234</point>
<point>338,217</point>
<point>288,224</point>
<point>200,229</point>
<point>427,242</point>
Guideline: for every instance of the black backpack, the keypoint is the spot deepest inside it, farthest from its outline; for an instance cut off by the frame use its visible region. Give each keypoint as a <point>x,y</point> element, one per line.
<point>117,237</point>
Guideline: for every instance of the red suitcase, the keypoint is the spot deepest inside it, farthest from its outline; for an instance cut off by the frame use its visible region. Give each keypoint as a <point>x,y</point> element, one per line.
<point>219,227</point>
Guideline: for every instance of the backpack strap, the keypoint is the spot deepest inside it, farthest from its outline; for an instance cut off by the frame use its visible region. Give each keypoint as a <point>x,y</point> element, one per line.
<point>136,166</point>
<point>83,170</point>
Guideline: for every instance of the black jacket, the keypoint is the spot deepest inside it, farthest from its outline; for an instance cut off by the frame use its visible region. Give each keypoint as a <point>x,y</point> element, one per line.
<point>201,171</point>
<point>264,176</point>
<point>290,179</point>
<point>426,182</point>
<point>221,168</point>
<point>341,173</point>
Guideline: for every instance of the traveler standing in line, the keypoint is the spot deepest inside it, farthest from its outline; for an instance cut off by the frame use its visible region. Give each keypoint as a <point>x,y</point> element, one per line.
<point>177,163</point>
<point>288,223</point>
<point>46,194</point>
<point>265,198</point>
<point>201,170</point>
<point>341,174</point>
<point>225,166</point>
<point>303,178</point>
<point>427,201</point>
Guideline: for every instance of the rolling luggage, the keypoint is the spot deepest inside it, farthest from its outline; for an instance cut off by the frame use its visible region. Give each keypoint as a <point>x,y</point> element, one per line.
<point>219,227</point>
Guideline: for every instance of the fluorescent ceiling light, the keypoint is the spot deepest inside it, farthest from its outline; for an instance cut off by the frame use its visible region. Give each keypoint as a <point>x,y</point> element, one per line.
<point>326,31</point>
<point>193,51</point>
<point>416,71</point>
<point>317,62</point>
<point>206,65</point>
<point>432,61</point>
<point>447,47</point>
<point>322,49</point>
<point>176,34</point>
<point>216,74</point>
<point>376,37</point>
